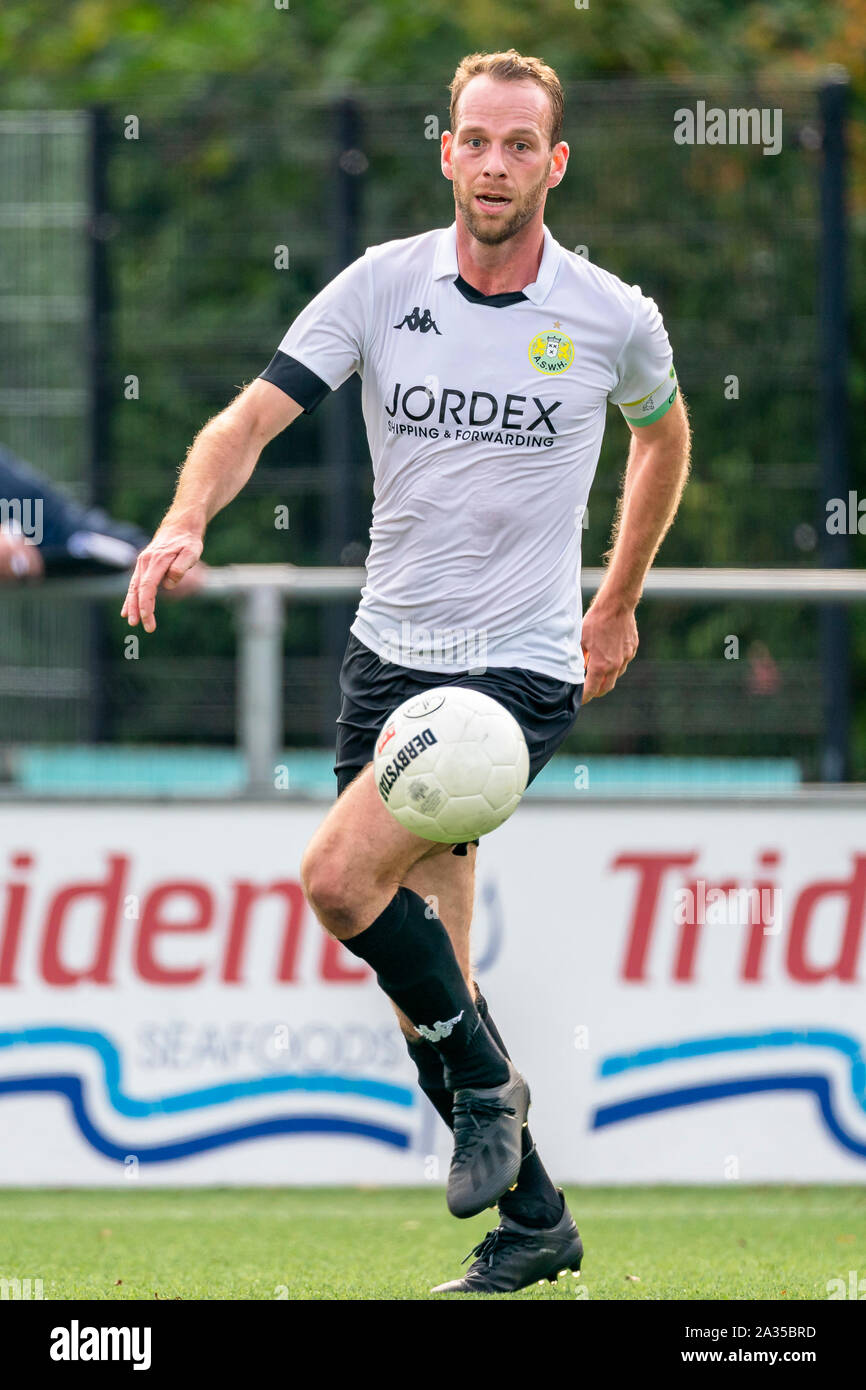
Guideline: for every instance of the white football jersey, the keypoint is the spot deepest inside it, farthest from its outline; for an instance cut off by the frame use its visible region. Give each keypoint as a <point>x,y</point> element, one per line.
<point>484,416</point>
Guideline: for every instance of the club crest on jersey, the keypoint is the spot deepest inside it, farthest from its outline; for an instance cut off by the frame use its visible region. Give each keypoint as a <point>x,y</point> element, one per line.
<point>551,352</point>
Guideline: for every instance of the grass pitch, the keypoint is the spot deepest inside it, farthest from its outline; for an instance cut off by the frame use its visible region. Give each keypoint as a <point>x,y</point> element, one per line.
<point>729,1242</point>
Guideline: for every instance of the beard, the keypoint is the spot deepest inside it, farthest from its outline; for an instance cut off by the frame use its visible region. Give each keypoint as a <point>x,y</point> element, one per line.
<point>521,211</point>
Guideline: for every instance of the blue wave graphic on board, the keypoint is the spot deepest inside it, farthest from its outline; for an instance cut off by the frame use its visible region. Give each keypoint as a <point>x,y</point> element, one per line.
<point>817,1084</point>
<point>71,1087</point>
<point>173,1104</point>
<point>183,1102</point>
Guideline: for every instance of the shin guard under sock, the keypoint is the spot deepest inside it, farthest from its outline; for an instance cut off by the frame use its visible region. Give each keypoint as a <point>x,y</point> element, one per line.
<point>411,953</point>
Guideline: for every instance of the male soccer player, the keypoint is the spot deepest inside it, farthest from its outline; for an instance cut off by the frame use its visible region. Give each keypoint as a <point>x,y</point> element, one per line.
<point>488,354</point>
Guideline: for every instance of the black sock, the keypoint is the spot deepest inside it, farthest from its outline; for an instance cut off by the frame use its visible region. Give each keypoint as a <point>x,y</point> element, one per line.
<point>431,1078</point>
<point>415,964</point>
<point>535,1201</point>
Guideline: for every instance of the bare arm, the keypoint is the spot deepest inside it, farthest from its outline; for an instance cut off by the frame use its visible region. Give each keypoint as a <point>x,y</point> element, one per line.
<point>220,461</point>
<point>658,465</point>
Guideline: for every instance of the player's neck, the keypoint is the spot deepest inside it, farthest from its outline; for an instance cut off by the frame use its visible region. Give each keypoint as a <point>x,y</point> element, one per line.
<point>501,269</point>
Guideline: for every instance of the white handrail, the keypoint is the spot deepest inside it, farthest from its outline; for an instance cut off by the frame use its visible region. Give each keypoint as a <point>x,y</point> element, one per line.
<point>262,590</point>
<point>322,582</point>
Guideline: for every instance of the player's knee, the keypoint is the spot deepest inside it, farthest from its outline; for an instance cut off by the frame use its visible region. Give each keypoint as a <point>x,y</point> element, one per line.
<point>327,885</point>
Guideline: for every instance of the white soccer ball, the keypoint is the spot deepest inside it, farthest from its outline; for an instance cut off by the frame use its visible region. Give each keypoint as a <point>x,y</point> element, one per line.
<point>451,764</point>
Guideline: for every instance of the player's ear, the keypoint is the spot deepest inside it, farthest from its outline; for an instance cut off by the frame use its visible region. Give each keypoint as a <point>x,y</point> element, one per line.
<point>445,153</point>
<point>559,164</point>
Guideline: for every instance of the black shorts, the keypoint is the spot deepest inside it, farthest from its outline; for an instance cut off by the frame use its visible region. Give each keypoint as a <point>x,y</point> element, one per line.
<point>372,689</point>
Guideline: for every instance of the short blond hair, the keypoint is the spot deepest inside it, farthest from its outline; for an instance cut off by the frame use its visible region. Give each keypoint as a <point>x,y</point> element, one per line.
<point>510,66</point>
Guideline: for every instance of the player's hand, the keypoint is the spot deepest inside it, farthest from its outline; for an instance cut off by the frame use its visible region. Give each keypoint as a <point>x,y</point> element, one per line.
<point>173,551</point>
<point>609,640</point>
<point>194,580</point>
<point>19,559</point>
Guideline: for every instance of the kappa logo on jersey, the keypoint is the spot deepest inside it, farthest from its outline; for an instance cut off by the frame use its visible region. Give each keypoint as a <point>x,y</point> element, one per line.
<point>551,352</point>
<point>417,322</point>
<point>439,1030</point>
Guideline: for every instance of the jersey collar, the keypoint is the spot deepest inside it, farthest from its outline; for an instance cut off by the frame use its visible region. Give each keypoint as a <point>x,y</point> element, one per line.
<point>445,263</point>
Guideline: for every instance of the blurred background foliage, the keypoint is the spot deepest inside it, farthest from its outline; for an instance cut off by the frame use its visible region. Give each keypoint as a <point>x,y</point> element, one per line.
<point>108,49</point>
<point>237,153</point>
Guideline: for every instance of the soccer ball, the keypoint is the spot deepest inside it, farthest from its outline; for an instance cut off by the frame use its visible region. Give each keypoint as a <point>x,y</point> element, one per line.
<point>451,764</point>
